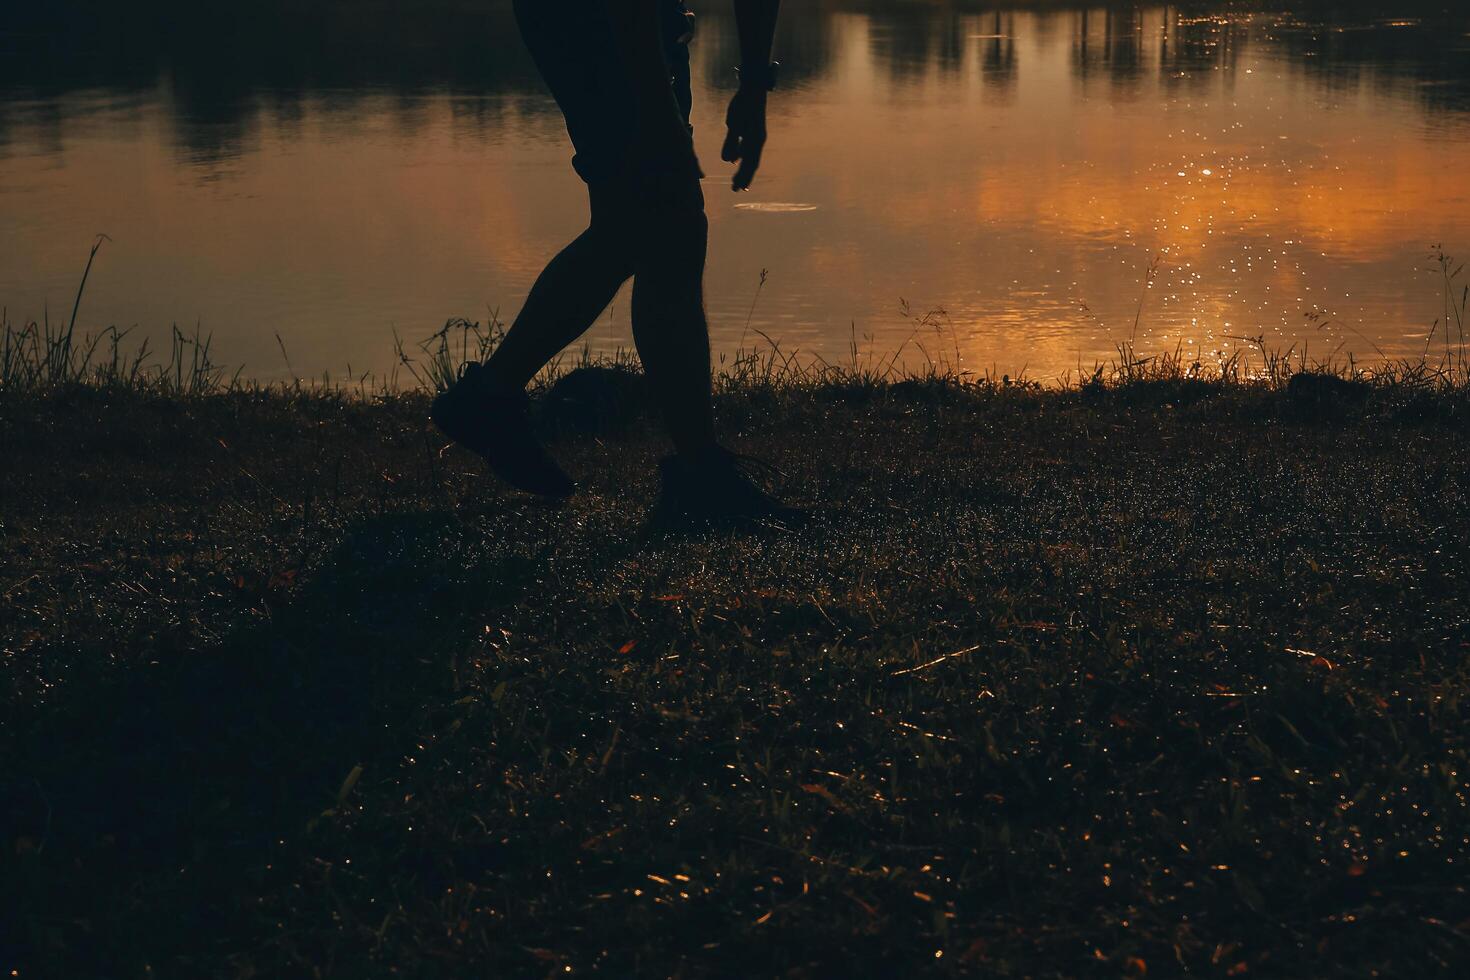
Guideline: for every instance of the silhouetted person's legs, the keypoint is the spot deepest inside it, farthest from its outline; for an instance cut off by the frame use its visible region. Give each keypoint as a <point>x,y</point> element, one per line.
<point>663,248</point>
<point>648,221</point>
<point>660,239</point>
<point>669,327</point>
<point>647,225</point>
<point>568,296</point>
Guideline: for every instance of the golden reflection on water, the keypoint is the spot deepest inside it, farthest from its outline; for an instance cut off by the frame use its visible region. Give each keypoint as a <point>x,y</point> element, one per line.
<point>1019,170</point>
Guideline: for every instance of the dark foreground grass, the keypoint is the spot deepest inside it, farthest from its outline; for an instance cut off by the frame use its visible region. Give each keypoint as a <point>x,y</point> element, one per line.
<point>1163,678</point>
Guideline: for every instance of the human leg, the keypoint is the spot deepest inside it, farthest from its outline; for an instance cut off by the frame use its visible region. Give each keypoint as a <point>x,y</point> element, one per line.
<point>486,410</point>
<point>703,483</point>
<point>568,296</point>
<point>669,327</point>
<point>570,48</point>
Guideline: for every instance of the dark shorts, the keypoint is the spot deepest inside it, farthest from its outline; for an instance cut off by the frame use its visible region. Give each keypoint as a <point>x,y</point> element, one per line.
<point>573,45</point>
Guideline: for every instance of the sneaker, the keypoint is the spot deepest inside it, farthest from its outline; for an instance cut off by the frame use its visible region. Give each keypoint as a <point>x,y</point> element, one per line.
<point>494,421</point>
<point>714,489</point>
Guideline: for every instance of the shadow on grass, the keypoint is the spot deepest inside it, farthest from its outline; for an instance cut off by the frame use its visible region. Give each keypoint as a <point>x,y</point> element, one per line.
<point>185,786</point>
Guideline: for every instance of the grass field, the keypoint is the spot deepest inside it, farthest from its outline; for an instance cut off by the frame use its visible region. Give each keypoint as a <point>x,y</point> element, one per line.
<point>1157,677</point>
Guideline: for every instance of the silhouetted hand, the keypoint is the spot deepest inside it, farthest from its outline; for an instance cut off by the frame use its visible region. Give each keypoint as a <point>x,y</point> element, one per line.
<point>745,134</point>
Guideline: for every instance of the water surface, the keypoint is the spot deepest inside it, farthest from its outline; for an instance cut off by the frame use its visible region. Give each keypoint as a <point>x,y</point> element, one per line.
<point>336,171</point>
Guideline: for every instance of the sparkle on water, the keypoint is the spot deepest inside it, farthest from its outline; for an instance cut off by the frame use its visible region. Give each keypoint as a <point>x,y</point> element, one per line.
<point>1288,170</point>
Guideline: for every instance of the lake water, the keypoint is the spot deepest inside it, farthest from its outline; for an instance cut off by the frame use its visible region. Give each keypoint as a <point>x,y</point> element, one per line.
<point>334,171</point>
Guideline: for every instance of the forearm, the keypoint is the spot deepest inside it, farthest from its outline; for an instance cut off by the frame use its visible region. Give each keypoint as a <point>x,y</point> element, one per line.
<point>755,21</point>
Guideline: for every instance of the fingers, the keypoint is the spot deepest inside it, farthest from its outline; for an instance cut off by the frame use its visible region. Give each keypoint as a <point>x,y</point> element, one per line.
<point>745,148</point>
<point>745,136</point>
<point>750,161</point>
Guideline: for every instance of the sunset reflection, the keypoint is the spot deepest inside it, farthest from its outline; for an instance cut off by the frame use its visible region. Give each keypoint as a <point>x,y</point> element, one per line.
<point>1018,168</point>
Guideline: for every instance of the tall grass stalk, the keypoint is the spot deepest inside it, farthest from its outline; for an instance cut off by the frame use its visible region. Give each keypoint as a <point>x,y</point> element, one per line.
<point>39,356</point>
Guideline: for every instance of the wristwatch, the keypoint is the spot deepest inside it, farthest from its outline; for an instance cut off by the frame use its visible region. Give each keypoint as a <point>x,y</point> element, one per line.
<point>761,75</point>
